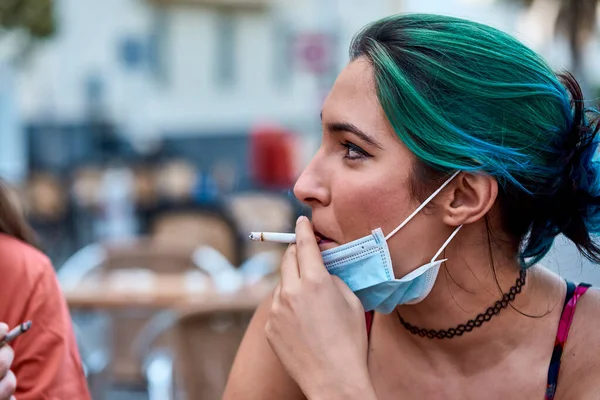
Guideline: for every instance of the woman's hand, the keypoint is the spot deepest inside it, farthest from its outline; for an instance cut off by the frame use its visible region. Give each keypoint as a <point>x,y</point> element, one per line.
<point>8,381</point>
<point>317,325</point>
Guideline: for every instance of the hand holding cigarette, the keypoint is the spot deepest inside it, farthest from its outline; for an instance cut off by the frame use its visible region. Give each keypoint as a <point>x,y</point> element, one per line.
<point>15,333</point>
<point>273,237</point>
<point>8,381</point>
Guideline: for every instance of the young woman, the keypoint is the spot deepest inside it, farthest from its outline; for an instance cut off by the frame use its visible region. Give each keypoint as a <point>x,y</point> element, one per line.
<point>451,158</point>
<point>44,362</point>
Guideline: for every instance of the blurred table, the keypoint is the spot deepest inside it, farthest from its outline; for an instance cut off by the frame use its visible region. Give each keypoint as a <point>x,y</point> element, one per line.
<point>133,296</point>
<point>122,289</point>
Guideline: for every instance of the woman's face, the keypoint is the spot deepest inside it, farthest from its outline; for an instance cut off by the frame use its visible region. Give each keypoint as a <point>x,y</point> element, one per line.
<point>359,178</point>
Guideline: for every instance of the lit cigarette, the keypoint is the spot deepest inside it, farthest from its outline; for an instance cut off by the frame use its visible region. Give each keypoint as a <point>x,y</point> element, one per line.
<point>273,237</point>
<point>15,333</point>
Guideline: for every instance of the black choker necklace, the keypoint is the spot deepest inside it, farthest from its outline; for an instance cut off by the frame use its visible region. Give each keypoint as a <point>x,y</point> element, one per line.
<point>507,298</point>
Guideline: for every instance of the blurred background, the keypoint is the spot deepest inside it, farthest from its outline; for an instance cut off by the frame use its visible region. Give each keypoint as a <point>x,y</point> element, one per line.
<point>145,138</point>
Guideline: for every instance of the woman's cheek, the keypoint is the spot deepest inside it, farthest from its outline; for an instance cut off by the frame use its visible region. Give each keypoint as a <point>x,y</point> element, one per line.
<point>362,208</point>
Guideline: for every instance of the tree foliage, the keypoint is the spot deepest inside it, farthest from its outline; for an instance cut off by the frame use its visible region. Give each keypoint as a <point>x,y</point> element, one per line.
<point>36,17</point>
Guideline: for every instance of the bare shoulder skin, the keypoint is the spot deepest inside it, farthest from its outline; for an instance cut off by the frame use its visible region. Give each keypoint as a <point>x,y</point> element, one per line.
<point>257,373</point>
<point>580,368</point>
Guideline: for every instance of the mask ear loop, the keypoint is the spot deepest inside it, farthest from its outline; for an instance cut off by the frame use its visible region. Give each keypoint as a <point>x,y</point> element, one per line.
<point>407,220</point>
<point>446,243</point>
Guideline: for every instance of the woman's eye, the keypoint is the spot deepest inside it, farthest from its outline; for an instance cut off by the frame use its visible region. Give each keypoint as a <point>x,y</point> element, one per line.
<point>353,152</point>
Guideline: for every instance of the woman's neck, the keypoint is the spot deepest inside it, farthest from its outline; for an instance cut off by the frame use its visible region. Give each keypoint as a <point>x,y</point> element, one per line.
<point>466,286</point>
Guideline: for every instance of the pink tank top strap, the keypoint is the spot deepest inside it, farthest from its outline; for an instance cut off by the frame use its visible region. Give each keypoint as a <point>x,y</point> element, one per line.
<point>369,322</point>
<point>573,295</point>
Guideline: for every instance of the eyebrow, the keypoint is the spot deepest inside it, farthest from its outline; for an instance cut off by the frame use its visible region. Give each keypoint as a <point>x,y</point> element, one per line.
<point>335,127</point>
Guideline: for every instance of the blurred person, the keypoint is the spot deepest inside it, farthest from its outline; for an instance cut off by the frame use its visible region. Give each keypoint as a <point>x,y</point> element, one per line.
<point>451,158</point>
<point>44,363</point>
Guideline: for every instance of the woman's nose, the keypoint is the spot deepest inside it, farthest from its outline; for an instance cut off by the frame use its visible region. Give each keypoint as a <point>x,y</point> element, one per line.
<point>311,187</point>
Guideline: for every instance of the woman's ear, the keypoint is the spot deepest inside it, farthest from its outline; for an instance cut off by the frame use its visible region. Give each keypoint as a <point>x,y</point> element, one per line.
<point>471,197</point>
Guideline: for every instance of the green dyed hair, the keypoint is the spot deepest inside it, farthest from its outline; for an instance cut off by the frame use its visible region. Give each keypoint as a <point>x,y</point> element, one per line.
<point>465,96</point>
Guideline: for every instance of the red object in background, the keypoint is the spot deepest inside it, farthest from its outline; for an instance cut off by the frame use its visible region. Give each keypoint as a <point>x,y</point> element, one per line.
<point>272,157</point>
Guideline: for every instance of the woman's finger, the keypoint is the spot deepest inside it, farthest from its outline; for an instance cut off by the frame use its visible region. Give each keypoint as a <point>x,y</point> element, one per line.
<point>6,358</point>
<point>310,262</point>
<point>289,267</point>
<point>276,293</point>
<point>348,294</point>
<point>8,385</point>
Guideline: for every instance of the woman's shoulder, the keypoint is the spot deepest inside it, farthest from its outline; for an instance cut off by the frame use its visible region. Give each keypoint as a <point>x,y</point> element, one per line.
<point>47,362</point>
<point>580,365</point>
<point>257,372</point>
<point>22,263</point>
<point>15,250</point>
<point>586,320</point>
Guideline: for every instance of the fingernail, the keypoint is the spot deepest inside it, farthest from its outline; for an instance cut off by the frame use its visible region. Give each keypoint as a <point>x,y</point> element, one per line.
<point>300,218</point>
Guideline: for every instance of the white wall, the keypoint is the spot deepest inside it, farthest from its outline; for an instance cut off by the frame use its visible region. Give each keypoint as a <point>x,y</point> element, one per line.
<point>85,44</point>
<point>189,98</point>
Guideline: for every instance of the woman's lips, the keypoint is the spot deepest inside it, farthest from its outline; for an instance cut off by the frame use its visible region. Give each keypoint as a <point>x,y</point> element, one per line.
<point>320,236</point>
<point>324,242</point>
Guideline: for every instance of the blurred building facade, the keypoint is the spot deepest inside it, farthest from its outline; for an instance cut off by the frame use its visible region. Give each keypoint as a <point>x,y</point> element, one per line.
<point>149,69</point>
<point>130,82</point>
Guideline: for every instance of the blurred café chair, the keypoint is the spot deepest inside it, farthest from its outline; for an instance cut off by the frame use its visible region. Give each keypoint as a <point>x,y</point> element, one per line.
<point>46,205</point>
<point>207,342</point>
<point>148,253</point>
<point>94,354</point>
<point>152,348</point>
<point>197,225</point>
<point>92,329</point>
<point>46,198</point>
<point>123,325</point>
<point>204,345</point>
<point>124,254</point>
<point>261,211</point>
<point>176,180</point>
<point>145,187</point>
<point>86,187</point>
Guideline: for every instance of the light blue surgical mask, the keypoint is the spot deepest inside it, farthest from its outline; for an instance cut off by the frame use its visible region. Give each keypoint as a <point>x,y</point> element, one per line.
<point>366,267</point>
